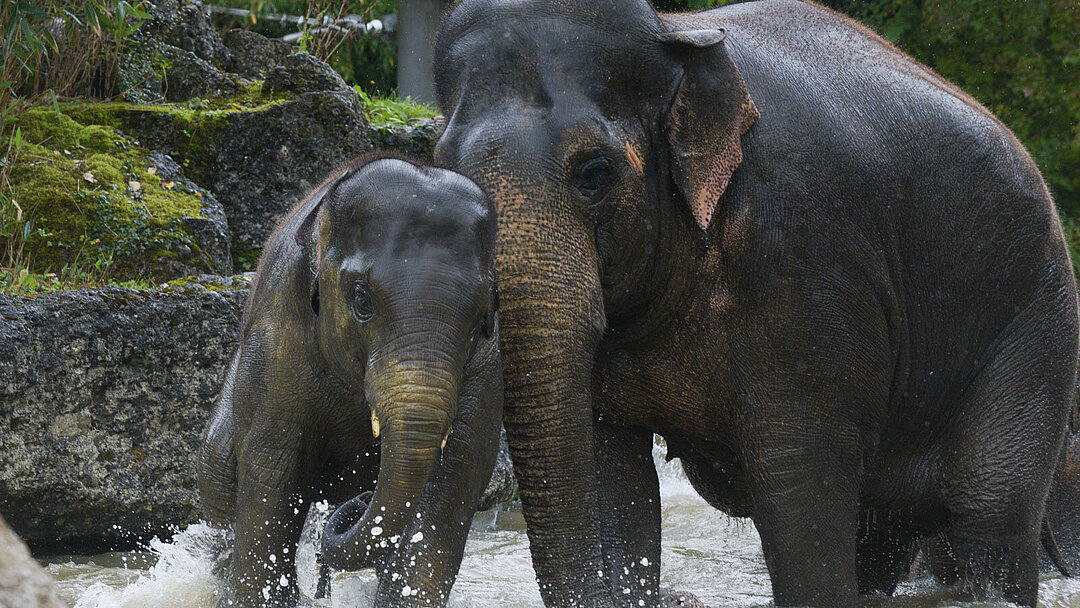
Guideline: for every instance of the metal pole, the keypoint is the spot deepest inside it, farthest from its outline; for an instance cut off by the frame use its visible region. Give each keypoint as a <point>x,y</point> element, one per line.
<point>418,22</point>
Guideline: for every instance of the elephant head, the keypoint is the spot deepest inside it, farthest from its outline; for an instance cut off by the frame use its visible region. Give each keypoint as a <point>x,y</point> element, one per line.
<point>604,133</point>
<point>403,292</point>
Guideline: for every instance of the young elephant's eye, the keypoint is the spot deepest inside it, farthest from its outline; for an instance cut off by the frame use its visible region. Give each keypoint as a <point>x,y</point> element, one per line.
<point>593,178</point>
<point>363,303</point>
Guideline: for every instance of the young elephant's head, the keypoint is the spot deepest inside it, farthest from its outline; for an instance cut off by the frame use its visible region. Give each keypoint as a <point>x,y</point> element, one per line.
<point>404,294</point>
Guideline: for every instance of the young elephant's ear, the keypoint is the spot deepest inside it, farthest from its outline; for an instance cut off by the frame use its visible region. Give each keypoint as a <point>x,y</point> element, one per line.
<point>711,111</point>
<point>307,224</point>
<point>303,237</point>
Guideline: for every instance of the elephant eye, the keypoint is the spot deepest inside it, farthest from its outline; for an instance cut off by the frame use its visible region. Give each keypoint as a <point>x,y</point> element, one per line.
<point>363,303</point>
<point>593,178</point>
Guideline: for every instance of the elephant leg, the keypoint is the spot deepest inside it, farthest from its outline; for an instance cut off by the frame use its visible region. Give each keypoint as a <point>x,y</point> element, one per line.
<point>217,459</point>
<point>884,552</point>
<point>806,512</point>
<point>272,488</point>
<point>1011,421</point>
<point>629,507</point>
<point>422,570</point>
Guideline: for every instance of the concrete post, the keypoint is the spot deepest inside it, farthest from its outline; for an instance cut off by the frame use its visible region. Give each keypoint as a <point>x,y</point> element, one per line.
<point>418,22</point>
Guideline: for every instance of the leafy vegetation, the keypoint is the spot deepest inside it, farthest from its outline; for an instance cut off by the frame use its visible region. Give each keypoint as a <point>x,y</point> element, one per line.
<point>389,110</point>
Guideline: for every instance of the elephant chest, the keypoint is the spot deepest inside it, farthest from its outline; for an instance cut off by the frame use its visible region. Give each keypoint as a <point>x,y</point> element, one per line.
<point>659,389</point>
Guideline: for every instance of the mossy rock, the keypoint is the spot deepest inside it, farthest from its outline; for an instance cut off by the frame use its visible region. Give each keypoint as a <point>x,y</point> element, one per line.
<point>97,202</point>
<point>258,153</point>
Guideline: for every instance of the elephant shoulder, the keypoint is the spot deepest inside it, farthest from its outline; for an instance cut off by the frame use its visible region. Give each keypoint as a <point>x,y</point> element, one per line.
<point>827,85</point>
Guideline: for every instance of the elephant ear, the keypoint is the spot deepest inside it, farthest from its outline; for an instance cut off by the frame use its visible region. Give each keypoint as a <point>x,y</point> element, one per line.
<point>711,111</point>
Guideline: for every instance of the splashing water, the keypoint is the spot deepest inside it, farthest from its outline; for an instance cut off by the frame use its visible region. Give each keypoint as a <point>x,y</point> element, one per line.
<point>704,551</point>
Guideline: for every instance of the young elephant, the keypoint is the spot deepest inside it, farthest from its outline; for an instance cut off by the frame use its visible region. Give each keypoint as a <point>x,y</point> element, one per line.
<point>369,343</point>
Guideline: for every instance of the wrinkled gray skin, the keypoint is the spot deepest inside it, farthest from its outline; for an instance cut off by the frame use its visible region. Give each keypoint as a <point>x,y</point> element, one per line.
<point>374,301</point>
<point>833,282</point>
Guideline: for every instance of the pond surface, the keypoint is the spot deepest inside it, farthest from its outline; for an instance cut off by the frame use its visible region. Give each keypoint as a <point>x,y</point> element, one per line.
<point>704,551</point>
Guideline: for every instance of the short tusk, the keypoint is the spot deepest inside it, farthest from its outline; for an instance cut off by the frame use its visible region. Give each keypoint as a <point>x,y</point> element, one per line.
<point>445,437</point>
<point>374,425</point>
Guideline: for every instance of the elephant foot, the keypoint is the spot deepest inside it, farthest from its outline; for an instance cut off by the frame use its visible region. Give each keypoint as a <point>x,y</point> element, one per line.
<point>679,599</point>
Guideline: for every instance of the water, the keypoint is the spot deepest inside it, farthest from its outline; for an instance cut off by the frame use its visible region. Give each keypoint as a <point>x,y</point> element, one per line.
<point>704,551</point>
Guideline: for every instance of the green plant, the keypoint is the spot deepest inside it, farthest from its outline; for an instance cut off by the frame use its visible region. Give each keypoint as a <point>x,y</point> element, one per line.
<point>390,110</point>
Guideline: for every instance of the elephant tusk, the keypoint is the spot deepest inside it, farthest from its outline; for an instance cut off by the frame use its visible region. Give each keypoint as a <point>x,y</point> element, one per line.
<point>374,425</point>
<point>445,437</point>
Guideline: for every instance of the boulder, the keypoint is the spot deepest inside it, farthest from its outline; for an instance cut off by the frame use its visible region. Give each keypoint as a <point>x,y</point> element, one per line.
<point>23,583</point>
<point>101,198</point>
<point>103,397</point>
<point>188,27</point>
<point>302,73</point>
<point>417,139</point>
<point>175,54</point>
<point>209,231</point>
<point>252,55</point>
<point>188,76</point>
<point>260,163</point>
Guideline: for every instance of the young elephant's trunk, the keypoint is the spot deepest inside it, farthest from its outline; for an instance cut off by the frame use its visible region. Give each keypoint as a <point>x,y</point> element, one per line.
<point>412,411</point>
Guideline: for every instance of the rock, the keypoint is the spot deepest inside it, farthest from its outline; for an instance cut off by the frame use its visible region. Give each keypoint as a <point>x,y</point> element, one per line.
<point>260,163</point>
<point>103,397</point>
<point>104,394</point>
<point>178,52</point>
<point>189,28</point>
<point>416,139</point>
<point>209,231</point>
<point>102,199</point>
<point>252,55</point>
<point>188,76</point>
<point>23,583</point>
<point>302,73</point>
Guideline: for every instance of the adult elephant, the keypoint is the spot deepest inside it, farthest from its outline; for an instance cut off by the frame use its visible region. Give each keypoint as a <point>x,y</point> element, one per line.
<point>831,280</point>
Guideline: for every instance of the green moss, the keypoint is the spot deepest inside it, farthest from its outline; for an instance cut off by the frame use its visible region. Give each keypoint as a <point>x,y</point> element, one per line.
<point>57,131</point>
<point>93,198</point>
<point>184,282</point>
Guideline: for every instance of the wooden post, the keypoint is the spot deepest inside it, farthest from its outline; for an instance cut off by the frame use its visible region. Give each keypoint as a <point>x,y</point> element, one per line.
<point>418,22</point>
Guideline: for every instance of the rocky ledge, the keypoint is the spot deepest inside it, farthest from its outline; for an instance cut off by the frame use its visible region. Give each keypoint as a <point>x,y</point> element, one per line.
<point>103,397</point>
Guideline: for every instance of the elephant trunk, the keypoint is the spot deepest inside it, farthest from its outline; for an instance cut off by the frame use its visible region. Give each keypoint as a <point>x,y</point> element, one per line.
<point>412,413</point>
<point>552,320</point>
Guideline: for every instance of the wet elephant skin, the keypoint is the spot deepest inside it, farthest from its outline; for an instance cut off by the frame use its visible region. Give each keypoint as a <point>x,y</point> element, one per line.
<point>369,361</point>
<point>833,282</point>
